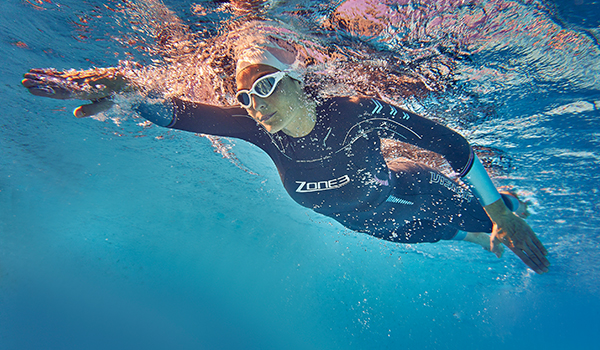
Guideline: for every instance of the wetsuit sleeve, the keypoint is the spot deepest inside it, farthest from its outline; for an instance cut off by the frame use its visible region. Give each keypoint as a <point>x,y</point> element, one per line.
<point>202,118</point>
<point>213,120</point>
<point>455,148</point>
<point>409,127</point>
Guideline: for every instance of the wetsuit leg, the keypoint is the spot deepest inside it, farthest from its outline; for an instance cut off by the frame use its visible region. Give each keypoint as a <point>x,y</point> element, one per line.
<point>424,206</point>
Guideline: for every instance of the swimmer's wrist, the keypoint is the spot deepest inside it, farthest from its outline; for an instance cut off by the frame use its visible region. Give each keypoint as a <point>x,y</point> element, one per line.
<point>496,209</point>
<point>480,183</point>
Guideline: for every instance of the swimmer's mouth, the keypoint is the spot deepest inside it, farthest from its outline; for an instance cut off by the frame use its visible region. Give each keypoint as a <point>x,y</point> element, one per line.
<point>264,118</point>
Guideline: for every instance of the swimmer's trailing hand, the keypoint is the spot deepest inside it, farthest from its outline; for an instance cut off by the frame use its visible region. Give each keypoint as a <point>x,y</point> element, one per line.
<point>484,240</point>
<point>517,236</point>
<point>97,85</point>
<point>96,107</point>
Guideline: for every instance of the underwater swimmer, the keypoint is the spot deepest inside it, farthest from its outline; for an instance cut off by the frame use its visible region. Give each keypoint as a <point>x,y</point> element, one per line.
<point>328,154</point>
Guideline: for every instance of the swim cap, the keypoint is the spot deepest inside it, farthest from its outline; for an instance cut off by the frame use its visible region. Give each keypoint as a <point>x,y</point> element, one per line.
<point>269,55</point>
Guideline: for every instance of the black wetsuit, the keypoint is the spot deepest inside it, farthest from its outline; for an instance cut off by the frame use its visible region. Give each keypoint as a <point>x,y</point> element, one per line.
<point>338,169</point>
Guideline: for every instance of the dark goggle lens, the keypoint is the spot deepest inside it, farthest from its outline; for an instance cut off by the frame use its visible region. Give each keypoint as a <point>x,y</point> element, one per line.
<point>263,87</point>
<point>244,99</point>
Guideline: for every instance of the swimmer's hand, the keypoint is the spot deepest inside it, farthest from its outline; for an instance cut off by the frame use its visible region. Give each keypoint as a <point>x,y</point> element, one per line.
<point>96,85</point>
<point>484,240</point>
<point>517,236</point>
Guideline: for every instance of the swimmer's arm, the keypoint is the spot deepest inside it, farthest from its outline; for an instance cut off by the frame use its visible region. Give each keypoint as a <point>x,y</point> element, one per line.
<point>201,118</point>
<point>99,85</point>
<point>425,133</point>
<point>508,228</point>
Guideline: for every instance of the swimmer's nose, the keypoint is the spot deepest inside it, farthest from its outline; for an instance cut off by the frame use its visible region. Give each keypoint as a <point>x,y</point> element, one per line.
<point>257,102</point>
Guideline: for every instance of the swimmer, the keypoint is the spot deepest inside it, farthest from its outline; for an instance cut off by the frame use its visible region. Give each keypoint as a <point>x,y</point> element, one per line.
<point>328,153</point>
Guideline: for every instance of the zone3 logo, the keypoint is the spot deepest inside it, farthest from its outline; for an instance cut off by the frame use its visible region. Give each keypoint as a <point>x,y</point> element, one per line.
<point>305,187</point>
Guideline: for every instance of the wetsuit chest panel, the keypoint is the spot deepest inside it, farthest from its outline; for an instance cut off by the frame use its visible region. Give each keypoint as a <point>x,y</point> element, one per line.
<point>338,167</point>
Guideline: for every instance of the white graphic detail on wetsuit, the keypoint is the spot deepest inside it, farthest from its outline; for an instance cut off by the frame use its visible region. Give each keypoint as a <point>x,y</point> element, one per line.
<point>305,186</point>
<point>461,192</point>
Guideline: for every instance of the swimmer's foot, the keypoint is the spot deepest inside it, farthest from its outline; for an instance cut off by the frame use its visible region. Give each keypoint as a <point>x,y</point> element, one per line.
<point>484,240</point>
<point>521,210</point>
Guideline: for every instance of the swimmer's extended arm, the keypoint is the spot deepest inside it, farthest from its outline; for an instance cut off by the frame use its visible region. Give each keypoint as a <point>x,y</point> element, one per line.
<point>202,118</point>
<point>198,117</point>
<point>100,84</point>
<point>215,120</point>
<point>96,85</point>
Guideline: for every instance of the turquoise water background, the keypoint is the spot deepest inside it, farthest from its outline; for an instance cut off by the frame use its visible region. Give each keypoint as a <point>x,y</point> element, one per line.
<point>117,237</point>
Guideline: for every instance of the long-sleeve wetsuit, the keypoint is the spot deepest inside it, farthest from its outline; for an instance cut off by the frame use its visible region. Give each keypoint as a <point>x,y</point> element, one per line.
<point>338,169</point>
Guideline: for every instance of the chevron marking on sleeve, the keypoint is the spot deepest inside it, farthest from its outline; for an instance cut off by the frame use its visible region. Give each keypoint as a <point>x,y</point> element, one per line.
<point>378,107</point>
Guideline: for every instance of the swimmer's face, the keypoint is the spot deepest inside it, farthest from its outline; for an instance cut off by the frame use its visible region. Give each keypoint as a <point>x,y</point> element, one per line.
<point>279,110</point>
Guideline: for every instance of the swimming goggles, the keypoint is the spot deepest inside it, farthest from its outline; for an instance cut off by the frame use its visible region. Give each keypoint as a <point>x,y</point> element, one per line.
<point>263,87</point>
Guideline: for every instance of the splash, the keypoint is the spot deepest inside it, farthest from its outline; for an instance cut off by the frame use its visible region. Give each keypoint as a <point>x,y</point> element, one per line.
<point>404,52</point>
<point>224,147</point>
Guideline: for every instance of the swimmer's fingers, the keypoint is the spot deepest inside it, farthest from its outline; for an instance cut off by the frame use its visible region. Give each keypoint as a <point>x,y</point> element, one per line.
<point>496,246</point>
<point>534,259</point>
<point>527,260</point>
<point>46,85</point>
<point>93,108</point>
<point>537,254</point>
<point>531,251</point>
<point>91,84</point>
<point>538,246</point>
<point>525,244</point>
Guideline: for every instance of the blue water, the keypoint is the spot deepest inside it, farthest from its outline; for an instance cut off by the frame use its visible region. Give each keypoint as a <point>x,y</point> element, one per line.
<point>113,236</point>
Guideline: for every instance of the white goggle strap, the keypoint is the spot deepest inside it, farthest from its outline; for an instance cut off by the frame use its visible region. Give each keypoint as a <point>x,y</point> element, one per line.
<point>480,183</point>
